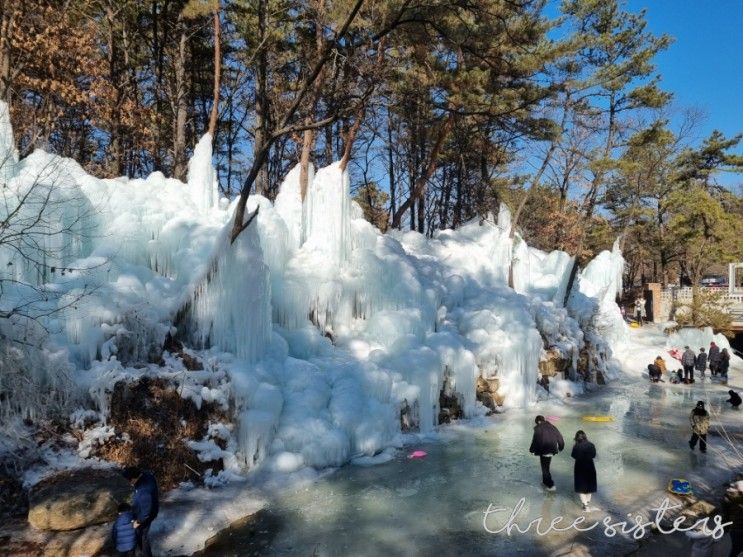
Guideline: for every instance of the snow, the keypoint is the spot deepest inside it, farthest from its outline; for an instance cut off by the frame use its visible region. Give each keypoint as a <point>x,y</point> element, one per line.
<point>318,327</point>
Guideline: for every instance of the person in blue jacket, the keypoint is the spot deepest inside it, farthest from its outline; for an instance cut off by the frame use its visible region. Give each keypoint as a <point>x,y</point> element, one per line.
<point>123,533</point>
<point>145,505</point>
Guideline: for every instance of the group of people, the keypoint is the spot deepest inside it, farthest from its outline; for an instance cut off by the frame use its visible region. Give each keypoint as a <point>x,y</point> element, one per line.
<point>717,360</point>
<point>131,531</point>
<point>547,441</point>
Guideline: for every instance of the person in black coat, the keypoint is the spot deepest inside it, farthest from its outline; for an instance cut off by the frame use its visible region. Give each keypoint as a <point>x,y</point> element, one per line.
<point>546,442</point>
<point>724,363</point>
<point>734,399</point>
<point>145,505</point>
<point>584,473</point>
<point>654,372</point>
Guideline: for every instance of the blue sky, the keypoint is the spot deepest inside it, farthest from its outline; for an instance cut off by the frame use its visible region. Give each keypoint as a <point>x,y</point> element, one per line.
<point>704,65</point>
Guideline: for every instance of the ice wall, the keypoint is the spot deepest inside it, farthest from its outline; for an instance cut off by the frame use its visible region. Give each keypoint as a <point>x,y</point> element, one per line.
<point>592,303</point>
<point>120,258</point>
<point>231,307</point>
<point>326,326</point>
<point>539,274</point>
<point>697,338</point>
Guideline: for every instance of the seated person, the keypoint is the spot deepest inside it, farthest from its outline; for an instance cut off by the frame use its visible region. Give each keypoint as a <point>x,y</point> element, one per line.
<point>661,363</point>
<point>654,373</point>
<point>734,399</point>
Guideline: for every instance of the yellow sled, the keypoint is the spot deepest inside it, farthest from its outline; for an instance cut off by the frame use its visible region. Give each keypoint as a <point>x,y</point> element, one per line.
<point>634,325</point>
<point>598,418</point>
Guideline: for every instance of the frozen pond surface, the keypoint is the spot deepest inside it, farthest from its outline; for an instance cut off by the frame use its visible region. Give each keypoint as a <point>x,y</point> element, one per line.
<point>435,505</point>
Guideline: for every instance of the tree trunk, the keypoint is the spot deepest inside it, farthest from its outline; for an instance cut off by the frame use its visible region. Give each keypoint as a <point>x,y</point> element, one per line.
<point>259,158</point>
<point>304,161</point>
<point>181,107</point>
<point>422,211</point>
<point>460,192</point>
<point>390,161</point>
<point>543,167</point>
<point>592,195</point>
<point>7,25</point>
<point>261,98</point>
<point>420,183</point>
<point>217,72</point>
<point>351,138</point>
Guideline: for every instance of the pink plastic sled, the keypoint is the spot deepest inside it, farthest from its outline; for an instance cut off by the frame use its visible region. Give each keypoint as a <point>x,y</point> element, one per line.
<point>417,454</point>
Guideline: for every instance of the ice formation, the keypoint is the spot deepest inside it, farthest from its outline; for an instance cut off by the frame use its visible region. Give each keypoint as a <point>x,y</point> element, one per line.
<point>593,304</point>
<point>697,338</point>
<point>325,326</point>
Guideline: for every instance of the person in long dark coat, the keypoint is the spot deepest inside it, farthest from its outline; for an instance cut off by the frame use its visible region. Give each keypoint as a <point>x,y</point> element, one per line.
<point>584,473</point>
<point>724,363</point>
<point>713,357</point>
<point>546,442</point>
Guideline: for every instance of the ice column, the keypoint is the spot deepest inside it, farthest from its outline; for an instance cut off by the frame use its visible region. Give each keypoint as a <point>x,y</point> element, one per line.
<point>289,205</point>
<point>202,180</point>
<point>327,214</point>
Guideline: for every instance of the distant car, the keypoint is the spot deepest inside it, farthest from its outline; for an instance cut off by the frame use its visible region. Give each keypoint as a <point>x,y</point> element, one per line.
<point>714,281</point>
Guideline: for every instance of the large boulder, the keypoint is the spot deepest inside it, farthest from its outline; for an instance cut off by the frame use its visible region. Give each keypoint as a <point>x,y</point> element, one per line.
<point>71,500</point>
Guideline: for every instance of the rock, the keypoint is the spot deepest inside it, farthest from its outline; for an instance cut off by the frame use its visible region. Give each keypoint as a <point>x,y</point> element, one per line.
<point>487,392</point>
<point>583,362</point>
<point>450,407</point>
<point>701,508</point>
<point>488,385</point>
<point>71,500</point>
<point>17,538</point>
<point>553,363</point>
<point>190,362</point>
<point>409,417</point>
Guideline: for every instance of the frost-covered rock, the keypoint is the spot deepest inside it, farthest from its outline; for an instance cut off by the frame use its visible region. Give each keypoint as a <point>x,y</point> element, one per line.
<point>72,500</point>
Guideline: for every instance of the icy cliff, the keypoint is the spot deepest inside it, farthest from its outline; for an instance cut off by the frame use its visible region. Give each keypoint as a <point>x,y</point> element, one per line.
<point>327,328</point>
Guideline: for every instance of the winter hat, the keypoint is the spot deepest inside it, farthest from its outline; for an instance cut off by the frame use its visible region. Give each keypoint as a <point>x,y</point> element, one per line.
<point>700,404</point>
<point>686,348</point>
<point>538,419</point>
<point>701,349</point>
